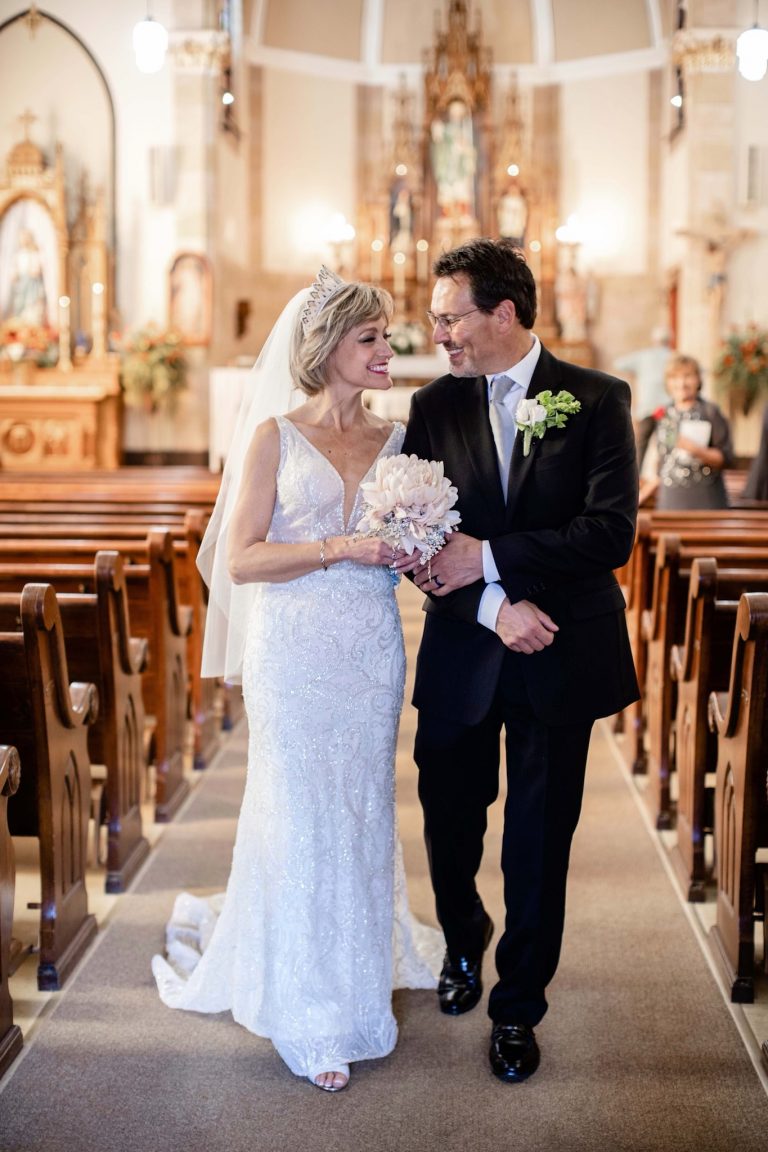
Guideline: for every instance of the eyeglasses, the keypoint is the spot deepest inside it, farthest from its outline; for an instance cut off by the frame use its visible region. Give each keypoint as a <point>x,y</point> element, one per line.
<point>448,322</point>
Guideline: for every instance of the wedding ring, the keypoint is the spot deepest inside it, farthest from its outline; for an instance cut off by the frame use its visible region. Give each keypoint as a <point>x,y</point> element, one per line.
<point>438,582</point>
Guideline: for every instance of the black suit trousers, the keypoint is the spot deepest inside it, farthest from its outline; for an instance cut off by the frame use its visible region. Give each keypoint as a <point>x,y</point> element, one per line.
<point>458,780</point>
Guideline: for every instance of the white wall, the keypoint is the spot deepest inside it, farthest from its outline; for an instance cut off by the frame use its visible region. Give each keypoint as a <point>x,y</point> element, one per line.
<point>309,166</point>
<point>604,170</point>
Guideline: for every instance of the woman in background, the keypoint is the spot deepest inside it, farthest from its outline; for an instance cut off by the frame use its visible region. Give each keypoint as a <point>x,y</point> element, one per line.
<point>693,445</point>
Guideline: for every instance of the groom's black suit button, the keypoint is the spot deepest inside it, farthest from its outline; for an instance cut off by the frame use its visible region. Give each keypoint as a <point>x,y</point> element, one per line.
<point>460,986</point>
<point>514,1052</point>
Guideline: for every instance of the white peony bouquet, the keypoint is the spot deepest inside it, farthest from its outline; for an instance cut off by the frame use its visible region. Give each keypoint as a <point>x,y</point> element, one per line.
<point>409,503</point>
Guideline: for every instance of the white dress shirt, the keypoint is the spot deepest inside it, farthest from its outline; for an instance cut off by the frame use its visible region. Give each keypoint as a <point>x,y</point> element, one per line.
<point>494,595</point>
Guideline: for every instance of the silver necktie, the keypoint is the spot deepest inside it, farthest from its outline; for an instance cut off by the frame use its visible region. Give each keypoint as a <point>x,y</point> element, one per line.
<point>503,425</point>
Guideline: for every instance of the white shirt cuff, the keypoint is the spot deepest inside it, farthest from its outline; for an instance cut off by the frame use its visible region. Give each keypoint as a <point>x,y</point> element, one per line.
<point>490,571</point>
<point>490,602</point>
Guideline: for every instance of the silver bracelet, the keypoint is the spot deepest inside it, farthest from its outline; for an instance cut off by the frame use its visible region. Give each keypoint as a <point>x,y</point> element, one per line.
<point>323,564</point>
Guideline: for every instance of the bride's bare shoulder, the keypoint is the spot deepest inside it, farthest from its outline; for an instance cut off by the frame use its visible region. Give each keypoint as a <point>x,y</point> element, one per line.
<point>265,441</point>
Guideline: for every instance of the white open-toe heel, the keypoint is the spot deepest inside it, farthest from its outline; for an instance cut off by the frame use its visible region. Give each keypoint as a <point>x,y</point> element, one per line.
<point>339,1078</point>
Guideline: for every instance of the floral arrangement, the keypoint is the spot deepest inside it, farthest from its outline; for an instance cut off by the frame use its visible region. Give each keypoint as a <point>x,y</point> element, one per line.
<point>742,365</point>
<point>410,503</point>
<point>22,341</point>
<point>407,338</point>
<point>547,410</point>
<point>153,369</point>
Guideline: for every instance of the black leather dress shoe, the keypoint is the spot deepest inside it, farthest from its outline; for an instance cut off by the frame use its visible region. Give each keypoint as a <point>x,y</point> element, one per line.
<point>514,1052</point>
<point>460,986</point>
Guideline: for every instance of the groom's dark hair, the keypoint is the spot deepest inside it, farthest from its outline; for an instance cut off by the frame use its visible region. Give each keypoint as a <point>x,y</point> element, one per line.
<point>496,271</point>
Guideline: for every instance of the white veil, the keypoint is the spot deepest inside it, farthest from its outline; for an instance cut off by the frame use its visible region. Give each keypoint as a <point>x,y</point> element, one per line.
<point>269,391</point>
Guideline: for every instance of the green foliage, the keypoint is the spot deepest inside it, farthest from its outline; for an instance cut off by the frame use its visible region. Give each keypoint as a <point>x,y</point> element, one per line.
<point>153,369</point>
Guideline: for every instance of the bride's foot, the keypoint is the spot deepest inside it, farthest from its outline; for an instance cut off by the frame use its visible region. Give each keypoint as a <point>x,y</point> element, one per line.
<point>331,1081</point>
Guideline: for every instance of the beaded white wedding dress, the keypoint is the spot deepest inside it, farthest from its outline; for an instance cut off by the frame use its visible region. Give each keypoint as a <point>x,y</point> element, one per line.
<point>314,930</point>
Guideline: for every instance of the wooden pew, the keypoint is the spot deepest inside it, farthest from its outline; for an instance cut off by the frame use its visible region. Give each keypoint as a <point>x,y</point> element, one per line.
<point>46,716</point>
<point>740,720</point>
<point>663,625</point>
<point>188,486</point>
<point>128,534</point>
<point>10,1033</point>
<point>750,531</point>
<point>156,615</point>
<point>699,666</point>
<point>93,603</point>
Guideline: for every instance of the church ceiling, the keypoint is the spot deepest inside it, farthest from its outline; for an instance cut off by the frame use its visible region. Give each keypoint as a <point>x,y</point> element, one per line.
<point>528,34</point>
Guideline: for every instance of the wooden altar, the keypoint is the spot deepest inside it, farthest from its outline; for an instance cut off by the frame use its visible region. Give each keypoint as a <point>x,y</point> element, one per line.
<point>56,420</point>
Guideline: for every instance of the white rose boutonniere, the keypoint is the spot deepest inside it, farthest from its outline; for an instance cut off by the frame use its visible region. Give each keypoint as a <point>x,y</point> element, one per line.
<point>546,410</point>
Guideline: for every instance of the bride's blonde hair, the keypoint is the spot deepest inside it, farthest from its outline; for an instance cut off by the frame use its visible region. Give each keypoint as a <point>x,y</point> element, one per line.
<point>354,304</point>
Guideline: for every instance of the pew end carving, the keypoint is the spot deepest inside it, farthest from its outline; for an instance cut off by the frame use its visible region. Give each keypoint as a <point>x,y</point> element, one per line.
<point>10,1034</point>
<point>739,719</point>
<point>49,716</point>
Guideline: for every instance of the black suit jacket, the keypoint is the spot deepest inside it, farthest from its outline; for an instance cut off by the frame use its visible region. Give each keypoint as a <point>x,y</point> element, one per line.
<point>568,522</point>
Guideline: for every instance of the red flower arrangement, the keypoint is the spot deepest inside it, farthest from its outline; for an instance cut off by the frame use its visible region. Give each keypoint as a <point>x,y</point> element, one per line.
<point>153,369</point>
<point>742,366</point>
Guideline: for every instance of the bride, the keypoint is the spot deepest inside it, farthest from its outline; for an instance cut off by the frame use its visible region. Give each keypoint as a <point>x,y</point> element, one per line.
<point>314,930</point>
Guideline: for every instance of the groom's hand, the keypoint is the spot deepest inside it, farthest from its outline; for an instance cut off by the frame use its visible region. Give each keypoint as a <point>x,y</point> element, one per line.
<point>523,627</point>
<point>458,563</point>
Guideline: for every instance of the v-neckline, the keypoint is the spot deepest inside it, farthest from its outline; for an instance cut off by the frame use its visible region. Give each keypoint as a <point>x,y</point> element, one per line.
<point>338,474</point>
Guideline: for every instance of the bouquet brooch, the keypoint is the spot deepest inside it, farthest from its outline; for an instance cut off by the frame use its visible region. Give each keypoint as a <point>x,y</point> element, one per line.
<point>410,503</point>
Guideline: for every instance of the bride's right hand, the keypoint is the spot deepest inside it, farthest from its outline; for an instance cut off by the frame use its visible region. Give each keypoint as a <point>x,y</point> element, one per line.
<point>371,550</point>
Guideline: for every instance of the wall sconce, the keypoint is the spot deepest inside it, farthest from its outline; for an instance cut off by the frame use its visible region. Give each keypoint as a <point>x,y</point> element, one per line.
<point>339,235</point>
<point>150,43</point>
<point>752,51</point>
<point>570,232</point>
<point>569,237</point>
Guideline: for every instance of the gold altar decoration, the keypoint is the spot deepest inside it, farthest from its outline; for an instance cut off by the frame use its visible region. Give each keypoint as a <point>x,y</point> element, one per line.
<point>60,406</point>
<point>457,132</point>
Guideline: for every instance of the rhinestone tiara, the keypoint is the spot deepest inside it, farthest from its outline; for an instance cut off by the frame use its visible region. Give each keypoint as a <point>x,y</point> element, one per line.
<point>325,285</point>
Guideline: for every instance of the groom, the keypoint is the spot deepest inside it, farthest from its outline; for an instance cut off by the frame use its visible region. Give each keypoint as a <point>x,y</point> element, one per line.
<point>524,629</point>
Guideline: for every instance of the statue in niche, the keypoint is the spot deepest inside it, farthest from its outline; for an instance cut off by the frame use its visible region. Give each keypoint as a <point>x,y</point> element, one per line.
<point>27,300</point>
<point>571,305</point>
<point>512,214</point>
<point>454,161</point>
<point>400,217</point>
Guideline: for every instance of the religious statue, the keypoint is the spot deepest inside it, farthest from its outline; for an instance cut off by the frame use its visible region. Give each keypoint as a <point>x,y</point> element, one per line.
<point>571,305</point>
<point>401,217</point>
<point>454,161</point>
<point>512,214</point>
<point>719,240</point>
<point>27,300</point>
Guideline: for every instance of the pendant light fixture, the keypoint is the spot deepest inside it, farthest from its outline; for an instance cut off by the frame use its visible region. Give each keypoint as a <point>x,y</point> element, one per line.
<point>752,51</point>
<point>150,43</point>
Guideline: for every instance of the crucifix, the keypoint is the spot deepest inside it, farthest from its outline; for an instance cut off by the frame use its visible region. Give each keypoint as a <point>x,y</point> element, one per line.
<point>720,240</point>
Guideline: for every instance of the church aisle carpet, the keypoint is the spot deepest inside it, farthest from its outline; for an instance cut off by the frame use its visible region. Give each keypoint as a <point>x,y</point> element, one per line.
<point>639,1053</point>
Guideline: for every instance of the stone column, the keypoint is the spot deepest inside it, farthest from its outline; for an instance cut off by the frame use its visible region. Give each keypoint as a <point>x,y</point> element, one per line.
<point>708,65</point>
<point>197,58</point>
